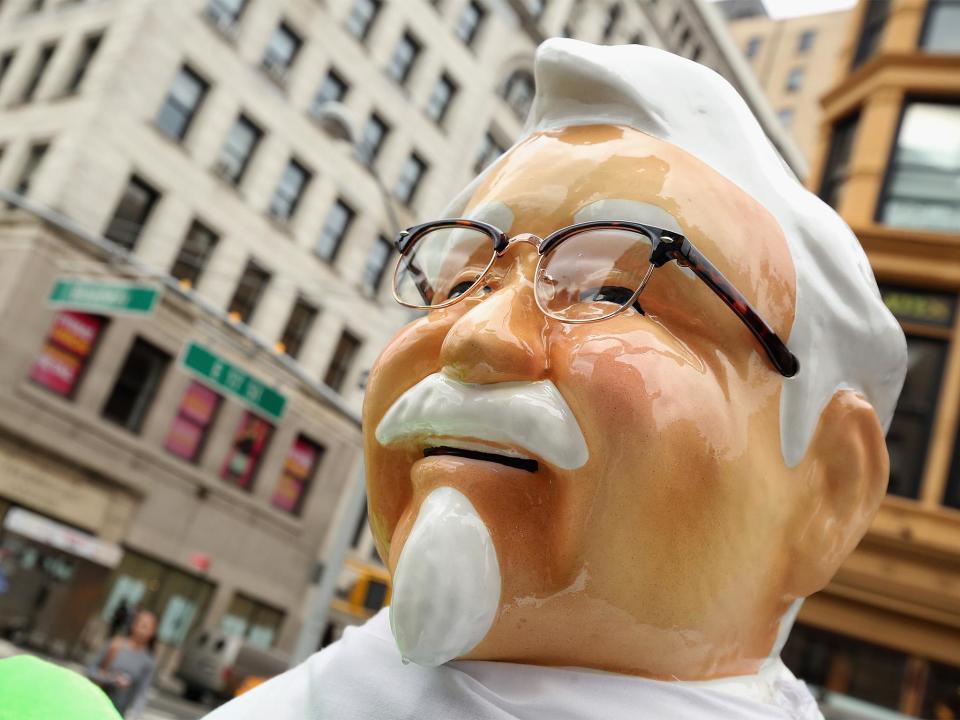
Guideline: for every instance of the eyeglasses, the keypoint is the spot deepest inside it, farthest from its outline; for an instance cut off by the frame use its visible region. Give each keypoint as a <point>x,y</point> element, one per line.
<point>587,272</point>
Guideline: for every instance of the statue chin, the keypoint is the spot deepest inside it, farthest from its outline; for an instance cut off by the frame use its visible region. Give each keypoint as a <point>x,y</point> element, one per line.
<point>446,587</point>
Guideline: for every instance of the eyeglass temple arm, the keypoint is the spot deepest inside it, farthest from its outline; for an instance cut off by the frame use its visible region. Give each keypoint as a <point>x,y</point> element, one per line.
<point>683,251</point>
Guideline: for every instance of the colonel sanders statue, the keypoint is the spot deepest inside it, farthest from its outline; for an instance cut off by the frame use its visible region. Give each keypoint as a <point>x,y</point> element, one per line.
<point>641,418</point>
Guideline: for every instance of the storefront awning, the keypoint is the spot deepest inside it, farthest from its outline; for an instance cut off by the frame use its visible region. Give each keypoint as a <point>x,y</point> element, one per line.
<point>47,531</point>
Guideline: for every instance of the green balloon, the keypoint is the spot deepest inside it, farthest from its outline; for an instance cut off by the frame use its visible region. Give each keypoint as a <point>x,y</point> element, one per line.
<point>32,689</point>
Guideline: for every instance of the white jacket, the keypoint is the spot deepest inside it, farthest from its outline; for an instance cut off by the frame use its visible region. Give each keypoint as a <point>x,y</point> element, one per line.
<point>361,677</point>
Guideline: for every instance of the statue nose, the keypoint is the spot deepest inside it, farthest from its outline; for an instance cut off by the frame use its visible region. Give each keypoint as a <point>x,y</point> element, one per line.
<point>502,338</point>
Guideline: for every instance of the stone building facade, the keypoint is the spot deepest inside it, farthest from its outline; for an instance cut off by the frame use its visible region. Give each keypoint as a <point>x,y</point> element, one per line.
<point>796,61</point>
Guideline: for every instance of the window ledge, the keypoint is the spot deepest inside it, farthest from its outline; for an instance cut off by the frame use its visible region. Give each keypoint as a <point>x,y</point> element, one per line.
<point>283,225</point>
<point>227,181</point>
<point>225,31</point>
<point>166,137</point>
<point>401,85</point>
<point>278,80</point>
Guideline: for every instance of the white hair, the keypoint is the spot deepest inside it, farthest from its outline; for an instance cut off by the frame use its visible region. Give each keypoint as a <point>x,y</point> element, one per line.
<point>843,334</point>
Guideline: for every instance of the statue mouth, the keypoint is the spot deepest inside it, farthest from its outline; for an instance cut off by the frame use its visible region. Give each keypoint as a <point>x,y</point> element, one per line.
<point>520,463</point>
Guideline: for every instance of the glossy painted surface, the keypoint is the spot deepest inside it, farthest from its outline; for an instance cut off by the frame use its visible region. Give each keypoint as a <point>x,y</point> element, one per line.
<point>676,548</point>
<point>446,589</point>
<point>531,417</point>
<point>842,332</point>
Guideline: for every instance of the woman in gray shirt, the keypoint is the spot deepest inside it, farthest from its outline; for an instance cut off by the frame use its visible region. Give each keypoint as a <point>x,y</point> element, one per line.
<point>124,667</point>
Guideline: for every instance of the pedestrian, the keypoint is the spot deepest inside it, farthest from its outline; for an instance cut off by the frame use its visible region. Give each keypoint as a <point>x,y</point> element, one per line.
<point>119,619</point>
<point>124,667</point>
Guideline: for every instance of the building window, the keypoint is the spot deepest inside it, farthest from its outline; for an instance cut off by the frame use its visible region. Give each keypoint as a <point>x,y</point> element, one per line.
<point>136,385</point>
<point>298,471</point>
<point>182,103</point>
<point>794,79</point>
<point>404,58</point>
<point>847,665</point>
<point>924,175</point>
<point>519,92</point>
<point>753,47</point>
<point>289,190</point>
<point>490,150</point>
<point>928,318</point>
<point>90,46</point>
<point>178,598</point>
<point>67,351</point>
<point>333,89</point>
<point>941,28</point>
<point>942,691</point>
<point>805,41</point>
<point>194,253</point>
<point>376,266</point>
<point>343,356</point>
<point>132,212</point>
<point>334,230</point>
<point>34,158</point>
<point>442,96</point>
<point>225,13</point>
<point>281,51</point>
<point>248,293</point>
<point>248,448</point>
<point>785,115</point>
<point>837,166</point>
<point>874,19</point>
<point>469,22</point>
<point>302,317</point>
<point>951,496</point>
<point>6,60</point>
<point>242,142</point>
<point>195,416</point>
<point>410,177</point>
<point>610,25</point>
<point>257,622</point>
<point>372,139</point>
<point>362,16</point>
<point>43,60</point>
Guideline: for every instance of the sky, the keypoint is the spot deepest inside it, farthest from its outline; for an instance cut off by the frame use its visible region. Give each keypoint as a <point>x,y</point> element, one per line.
<point>792,8</point>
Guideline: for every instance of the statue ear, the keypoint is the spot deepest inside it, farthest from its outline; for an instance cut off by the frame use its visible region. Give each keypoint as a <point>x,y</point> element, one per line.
<point>842,480</point>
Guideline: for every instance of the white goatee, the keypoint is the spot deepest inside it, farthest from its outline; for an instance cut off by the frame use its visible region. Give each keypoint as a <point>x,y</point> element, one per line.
<point>446,589</point>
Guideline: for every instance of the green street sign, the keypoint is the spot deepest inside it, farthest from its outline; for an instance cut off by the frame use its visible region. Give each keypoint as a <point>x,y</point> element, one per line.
<point>223,375</point>
<point>106,297</point>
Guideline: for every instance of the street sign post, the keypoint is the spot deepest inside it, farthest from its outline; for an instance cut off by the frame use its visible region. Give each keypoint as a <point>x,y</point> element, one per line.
<point>220,374</point>
<point>104,297</point>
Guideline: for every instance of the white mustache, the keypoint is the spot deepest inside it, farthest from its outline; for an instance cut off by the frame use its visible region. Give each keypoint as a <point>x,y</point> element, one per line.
<point>528,415</point>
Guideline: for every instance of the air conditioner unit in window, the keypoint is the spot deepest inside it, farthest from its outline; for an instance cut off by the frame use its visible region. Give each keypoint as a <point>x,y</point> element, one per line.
<point>278,73</point>
<point>222,169</point>
<point>224,24</point>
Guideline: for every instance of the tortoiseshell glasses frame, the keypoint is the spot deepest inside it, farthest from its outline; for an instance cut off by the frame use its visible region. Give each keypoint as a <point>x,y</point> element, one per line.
<point>665,246</point>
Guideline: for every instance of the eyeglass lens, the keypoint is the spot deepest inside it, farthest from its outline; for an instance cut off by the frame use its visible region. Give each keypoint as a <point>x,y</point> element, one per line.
<point>592,275</point>
<point>442,265</point>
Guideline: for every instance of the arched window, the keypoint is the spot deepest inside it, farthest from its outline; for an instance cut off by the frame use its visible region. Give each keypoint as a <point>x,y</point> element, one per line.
<point>518,92</point>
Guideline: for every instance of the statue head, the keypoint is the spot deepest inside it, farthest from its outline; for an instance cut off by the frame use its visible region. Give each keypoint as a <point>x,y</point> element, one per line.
<point>563,472</point>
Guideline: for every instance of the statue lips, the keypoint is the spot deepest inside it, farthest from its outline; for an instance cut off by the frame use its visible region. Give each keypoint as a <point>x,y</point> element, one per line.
<point>515,462</point>
<point>517,424</point>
